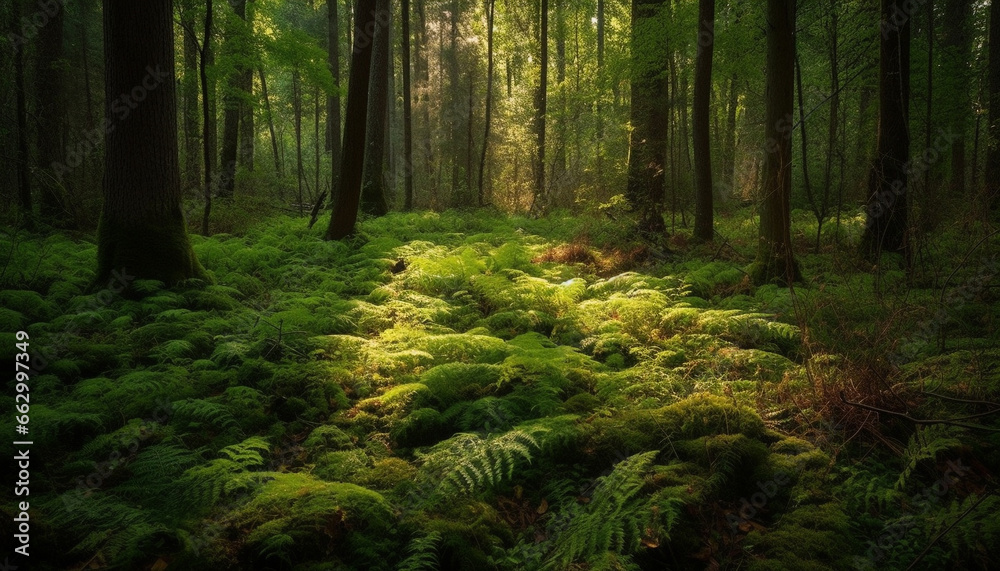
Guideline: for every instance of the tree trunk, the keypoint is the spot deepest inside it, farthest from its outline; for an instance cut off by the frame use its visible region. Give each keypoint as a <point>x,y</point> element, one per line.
<point>247,103</point>
<point>192,142</point>
<point>207,114</point>
<point>333,101</point>
<point>729,154</point>
<point>541,100</point>
<point>345,211</point>
<point>649,117</point>
<point>231,114</point>
<point>887,227</point>
<point>23,177</point>
<point>50,112</point>
<point>775,261</point>
<point>956,111</point>
<point>992,176</point>
<point>703,226</point>
<point>297,112</point>
<point>142,233</point>
<point>407,112</point>
<point>270,121</point>
<point>489,96</point>
<point>373,199</point>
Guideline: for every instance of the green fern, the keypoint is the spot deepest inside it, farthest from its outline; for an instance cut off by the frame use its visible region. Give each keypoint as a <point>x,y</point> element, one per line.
<point>614,520</point>
<point>467,463</point>
<point>926,444</point>
<point>421,553</point>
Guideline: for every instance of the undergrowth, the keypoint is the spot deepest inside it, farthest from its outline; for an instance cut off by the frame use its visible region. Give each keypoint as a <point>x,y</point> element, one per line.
<point>459,391</point>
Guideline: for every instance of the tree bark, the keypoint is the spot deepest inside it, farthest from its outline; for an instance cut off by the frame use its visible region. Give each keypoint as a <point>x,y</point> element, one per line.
<point>345,211</point>
<point>489,96</point>
<point>373,200</point>
<point>142,231</point>
<point>232,103</point>
<point>649,117</point>
<point>956,112</point>
<point>23,177</point>
<point>992,176</point>
<point>270,121</point>
<point>887,226</point>
<point>333,101</point>
<point>703,224</point>
<point>541,99</point>
<point>50,111</point>
<point>775,261</point>
<point>189,84</point>
<point>407,111</point>
<point>248,102</point>
<point>207,114</point>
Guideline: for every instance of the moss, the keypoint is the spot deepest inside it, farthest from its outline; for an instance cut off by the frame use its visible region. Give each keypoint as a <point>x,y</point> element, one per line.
<point>154,249</point>
<point>811,537</point>
<point>327,438</point>
<point>386,473</point>
<point>341,466</point>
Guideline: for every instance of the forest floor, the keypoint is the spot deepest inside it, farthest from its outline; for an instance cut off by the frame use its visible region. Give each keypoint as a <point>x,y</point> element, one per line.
<point>476,391</point>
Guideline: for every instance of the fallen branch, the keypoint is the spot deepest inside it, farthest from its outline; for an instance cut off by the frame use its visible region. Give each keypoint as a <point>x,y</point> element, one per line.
<point>906,416</point>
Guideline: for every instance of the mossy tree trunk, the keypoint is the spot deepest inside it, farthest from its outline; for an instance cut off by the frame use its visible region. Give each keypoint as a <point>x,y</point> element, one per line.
<point>142,232</point>
<point>348,196</point>
<point>775,261</point>
<point>649,116</point>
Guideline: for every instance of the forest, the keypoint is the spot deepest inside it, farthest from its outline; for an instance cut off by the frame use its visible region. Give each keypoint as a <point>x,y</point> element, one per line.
<point>500,285</point>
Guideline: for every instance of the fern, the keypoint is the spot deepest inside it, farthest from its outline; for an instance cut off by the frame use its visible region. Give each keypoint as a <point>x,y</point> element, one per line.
<point>202,412</point>
<point>421,553</point>
<point>614,520</point>
<point>468,463</point>
<point>925,444</point>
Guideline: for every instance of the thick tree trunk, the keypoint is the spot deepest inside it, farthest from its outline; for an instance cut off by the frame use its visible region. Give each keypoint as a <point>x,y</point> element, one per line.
<point>775,261</point>
<point>345,211</point>
<point>992,176</point>
<point>373,199</point>
<point>956,111</point>
<point>232,103</point>
<point>649,118</point>
<point>703,225</point>
<point>50,111</point>
<point>142,233</point>
<point>333,101</point>
<point>887,226</point>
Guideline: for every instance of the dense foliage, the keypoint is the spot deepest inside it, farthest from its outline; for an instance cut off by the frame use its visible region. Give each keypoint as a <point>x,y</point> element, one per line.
<point>477,391</point>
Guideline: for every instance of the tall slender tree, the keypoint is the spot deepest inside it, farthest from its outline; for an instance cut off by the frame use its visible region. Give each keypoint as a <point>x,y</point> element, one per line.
<point>233,102</point>
<point>703,226</point>
<point>142,232</point>
<point>541,100</point>
<point>50,112</point>
<point>775,260</point>
<point>23,177</point>
<point>887,225</point>
<point>348,197</point>
<point>490,6</point>
<point>189,97</point>
<point>407,111</point>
